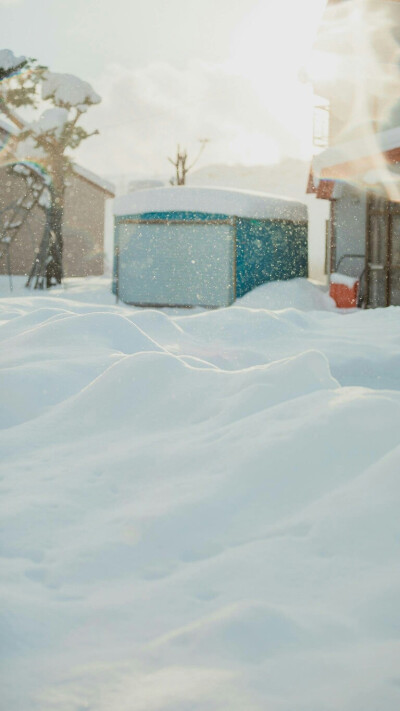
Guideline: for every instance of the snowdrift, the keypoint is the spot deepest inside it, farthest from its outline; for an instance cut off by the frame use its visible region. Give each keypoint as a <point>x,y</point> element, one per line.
<point>199,509</point>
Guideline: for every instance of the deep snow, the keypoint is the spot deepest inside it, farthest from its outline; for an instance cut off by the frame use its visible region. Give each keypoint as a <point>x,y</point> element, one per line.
<point>199,508</point>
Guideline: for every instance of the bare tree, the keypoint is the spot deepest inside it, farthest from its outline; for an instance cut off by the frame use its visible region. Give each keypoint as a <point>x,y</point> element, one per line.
<point>180,163</point>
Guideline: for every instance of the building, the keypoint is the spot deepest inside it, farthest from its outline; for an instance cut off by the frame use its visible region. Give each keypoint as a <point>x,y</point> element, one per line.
<point>184,246</point>
<point>83,226</point>
<point>357,84</point>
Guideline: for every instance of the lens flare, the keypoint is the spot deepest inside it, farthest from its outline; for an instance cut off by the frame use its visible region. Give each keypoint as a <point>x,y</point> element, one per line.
<point>360,46</point>
<point>35,166</point>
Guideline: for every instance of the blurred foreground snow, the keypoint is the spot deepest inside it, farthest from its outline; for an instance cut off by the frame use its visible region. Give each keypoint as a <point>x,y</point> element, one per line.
<point>199,508</point>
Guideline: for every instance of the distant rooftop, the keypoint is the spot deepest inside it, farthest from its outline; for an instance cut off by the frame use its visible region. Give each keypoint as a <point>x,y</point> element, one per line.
<point>93,178</point>
<point>106,185</point>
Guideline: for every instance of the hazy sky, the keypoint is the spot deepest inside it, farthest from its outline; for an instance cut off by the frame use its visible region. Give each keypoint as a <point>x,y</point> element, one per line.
<point>174,71</point>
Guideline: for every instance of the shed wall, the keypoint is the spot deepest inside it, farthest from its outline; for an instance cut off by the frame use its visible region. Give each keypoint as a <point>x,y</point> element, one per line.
<point>269,250</point>
<point>176,263</point>
<point>263,250</point>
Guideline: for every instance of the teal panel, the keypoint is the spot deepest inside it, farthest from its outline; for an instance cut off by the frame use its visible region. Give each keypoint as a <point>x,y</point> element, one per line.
<point>115,252</point>
<point>269,250</point>
<point>186,216</point>
<point>184,264</point>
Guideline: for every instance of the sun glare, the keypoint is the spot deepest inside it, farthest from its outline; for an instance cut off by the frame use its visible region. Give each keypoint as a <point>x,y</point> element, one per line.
<point>271,48</point>
<point>275,39</point>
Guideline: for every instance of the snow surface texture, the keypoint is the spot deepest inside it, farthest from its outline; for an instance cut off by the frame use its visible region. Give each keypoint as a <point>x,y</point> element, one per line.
<point>242,203</point>
<point>67,90</point>
<point>199,508</point>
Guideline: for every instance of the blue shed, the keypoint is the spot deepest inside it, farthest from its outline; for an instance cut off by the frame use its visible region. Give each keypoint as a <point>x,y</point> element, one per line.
<point>184,246</point>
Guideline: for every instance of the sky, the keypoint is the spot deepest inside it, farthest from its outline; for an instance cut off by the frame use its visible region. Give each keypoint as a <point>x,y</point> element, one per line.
<point>178,71</point>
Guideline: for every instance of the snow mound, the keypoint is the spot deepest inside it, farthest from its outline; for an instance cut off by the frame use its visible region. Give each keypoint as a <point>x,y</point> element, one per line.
<point>131,385</point>
<point>158,325</point>
<point>79,334</point>
<point>67,352</point>
<point>296,294</point>
<point>26,321</point>
<point>199,509</point>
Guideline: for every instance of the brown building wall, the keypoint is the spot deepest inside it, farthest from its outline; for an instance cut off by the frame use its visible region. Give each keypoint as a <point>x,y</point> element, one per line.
<point>83,227</point>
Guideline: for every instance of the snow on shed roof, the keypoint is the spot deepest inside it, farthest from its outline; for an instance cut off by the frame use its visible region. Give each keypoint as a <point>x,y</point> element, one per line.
<point>222,201</point>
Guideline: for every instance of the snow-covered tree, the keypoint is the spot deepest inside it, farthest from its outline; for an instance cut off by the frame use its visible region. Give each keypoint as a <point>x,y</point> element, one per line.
<point>19,80</point>
<point>9,63</point>
<point>51,136</point>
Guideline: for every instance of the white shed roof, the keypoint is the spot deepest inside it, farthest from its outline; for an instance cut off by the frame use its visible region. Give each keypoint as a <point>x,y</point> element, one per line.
<point>240,203</point>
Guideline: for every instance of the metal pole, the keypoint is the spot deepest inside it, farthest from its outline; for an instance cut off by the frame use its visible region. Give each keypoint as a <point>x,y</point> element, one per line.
<point>9,267</point>
<point>116,248</point>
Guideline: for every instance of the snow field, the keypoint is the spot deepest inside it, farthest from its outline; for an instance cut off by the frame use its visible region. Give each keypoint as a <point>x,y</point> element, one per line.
<point>199,508</point>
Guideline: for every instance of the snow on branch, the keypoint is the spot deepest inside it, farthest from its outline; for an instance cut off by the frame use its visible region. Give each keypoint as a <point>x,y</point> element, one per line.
<point>67,90</point>
<point>51,121</point>
<point>8,60</point>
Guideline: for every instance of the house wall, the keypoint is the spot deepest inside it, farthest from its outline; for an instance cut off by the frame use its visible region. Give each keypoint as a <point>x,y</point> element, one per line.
<point>349,213</point>
<point>22,249</point>
<point>83,227</point>
<point>383,275</point>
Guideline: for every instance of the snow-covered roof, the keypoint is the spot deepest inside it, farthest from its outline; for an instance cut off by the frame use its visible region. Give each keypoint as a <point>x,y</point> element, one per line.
<point>93,178</point>
<point>359,148</point>
<point>240,203</point>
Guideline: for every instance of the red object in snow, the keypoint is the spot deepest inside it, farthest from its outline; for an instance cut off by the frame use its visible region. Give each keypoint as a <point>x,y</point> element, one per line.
<point>344,296</point>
